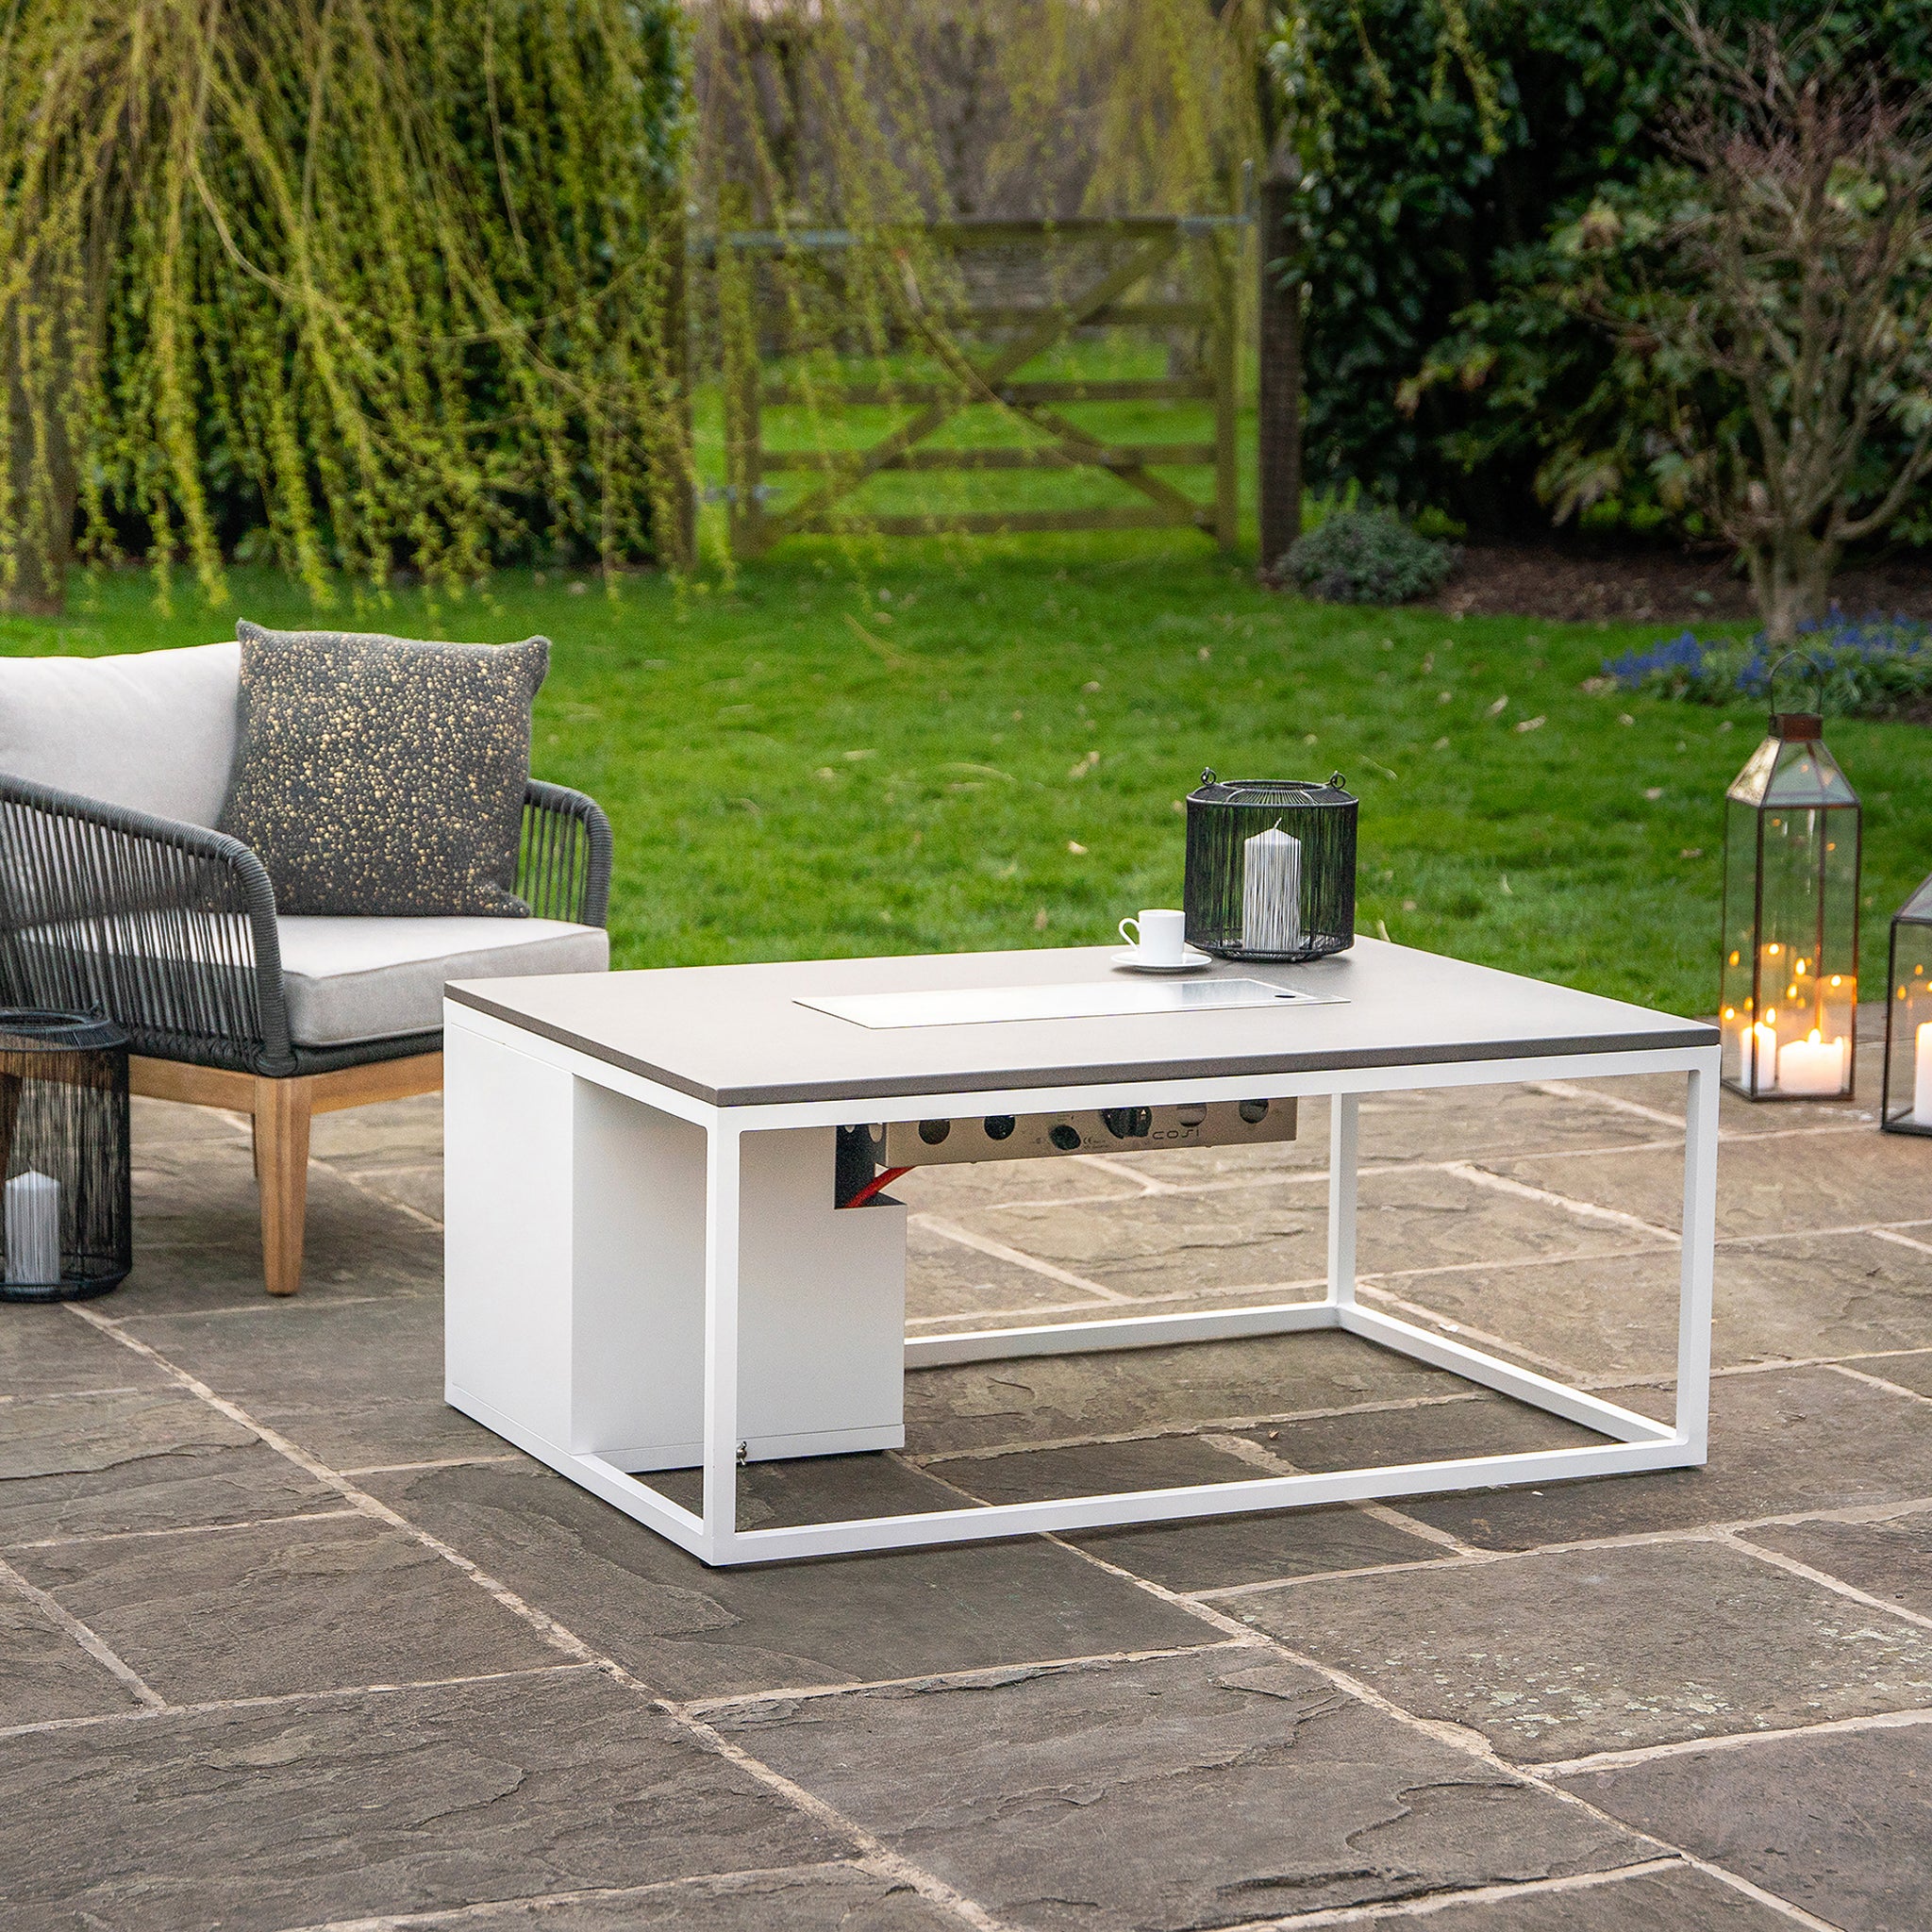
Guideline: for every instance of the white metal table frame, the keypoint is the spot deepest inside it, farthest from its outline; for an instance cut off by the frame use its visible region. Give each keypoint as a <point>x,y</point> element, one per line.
<point>1637,1442</point>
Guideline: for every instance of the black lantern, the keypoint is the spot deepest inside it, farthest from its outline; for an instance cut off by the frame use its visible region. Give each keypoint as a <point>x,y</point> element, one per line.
<point>1907,1105</point>
<point>1787,996</point>
<point>1271,869</point>
<point>68,1227</point>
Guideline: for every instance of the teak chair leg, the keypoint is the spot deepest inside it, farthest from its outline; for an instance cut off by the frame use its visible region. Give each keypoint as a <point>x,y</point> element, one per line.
<point>281,1165</point>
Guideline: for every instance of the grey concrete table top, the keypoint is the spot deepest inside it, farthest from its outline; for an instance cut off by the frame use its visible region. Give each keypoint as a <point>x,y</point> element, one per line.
<point>735,1036</point>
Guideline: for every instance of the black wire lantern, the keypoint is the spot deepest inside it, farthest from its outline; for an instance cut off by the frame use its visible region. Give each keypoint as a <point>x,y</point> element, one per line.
<point>1787,995</point>
<point>1907,1104</point>
<point>1269,868</point>
<point>68,1229</point>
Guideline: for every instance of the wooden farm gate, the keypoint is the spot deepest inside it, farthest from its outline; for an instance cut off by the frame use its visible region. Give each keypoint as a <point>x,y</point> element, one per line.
<point>1192,249</point>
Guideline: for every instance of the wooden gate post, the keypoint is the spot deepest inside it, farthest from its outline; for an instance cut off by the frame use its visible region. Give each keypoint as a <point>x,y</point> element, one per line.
<point>1280,355</point>
<point>1227,473</point>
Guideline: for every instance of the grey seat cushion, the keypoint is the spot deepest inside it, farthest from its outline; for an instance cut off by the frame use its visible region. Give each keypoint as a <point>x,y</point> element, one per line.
<point>355,979</point>
<point>152,731</point>
<point>347,980</point>
<point>380,776</point>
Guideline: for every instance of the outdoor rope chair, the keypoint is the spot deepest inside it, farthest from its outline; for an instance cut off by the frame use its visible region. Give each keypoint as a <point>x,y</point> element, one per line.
<point>118,898</point>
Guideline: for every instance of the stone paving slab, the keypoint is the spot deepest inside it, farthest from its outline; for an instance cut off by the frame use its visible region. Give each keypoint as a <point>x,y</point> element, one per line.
<point>1480,1425</point>
<point>197,1241</point>
<point>44,1675</point>
<point>1050,1398</point>
<point>1913,1372</point>
<point>1782,1440</point>
<point>1773,1184</point>
<point>806,1898</point>
<point>1682,1900</point>
<point>86,1433</point>
<point>1220,1552</point>
<point>367,1140</point>
<point>417,1189</point>
<point>98,1464</point>
<point>1840,1825</point>
<point>359,1385</point>
<point>1082,1307</point>
<point>693,1632</point>
<point>337,1808</point>
<point>1158,1244</point>
<point>224,1273</point>
<point>312,1605</point>
<point>1278,1232</point>
<point>815,1489</point>
<point>171,1489</point>
<point>946,1278</point>
<point>1555,1657</point>
<point>45,1351</point>
<point>1214,1789</point>
<point>1097,1469</point>
<point>1892,1561</point>
<point>1783,1298</point>
<point>961,1189</point>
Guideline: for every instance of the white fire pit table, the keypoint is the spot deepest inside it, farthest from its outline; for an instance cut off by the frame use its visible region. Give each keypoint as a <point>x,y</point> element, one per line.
<point>648,1269</point>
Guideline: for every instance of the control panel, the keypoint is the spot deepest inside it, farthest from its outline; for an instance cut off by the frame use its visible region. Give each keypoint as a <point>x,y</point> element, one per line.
<point>896,1145</point>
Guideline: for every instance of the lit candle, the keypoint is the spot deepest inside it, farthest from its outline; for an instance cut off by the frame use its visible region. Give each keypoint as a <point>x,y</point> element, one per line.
<point>1812,1066</point>
<point>1922,1075</point>
<point>33,1230</point>
<point>1760,1051</point>
<point>1272,892</point>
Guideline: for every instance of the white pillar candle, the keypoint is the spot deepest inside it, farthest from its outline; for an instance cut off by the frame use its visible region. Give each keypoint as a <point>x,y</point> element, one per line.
<point>33,1230</point>
<point>1922,1075</point>
<point>1811,1065</point>
<point>1272,892</point>
<point>1757,1048</point>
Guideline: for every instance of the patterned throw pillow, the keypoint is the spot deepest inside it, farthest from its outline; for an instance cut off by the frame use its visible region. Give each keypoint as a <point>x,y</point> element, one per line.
<point>378,775</point>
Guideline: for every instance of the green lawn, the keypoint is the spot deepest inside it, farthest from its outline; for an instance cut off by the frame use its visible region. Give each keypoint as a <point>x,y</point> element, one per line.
<point>799,766</point>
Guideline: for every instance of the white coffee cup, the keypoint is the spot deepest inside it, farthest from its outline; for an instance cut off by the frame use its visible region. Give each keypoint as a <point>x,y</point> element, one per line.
<point>1158,936</point>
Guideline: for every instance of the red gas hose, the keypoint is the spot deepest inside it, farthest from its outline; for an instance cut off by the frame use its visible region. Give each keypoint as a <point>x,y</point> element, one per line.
<point>872,1186</point>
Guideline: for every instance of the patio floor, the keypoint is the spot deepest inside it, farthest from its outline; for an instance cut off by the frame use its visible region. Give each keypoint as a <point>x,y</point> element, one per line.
<point>288,1643</point>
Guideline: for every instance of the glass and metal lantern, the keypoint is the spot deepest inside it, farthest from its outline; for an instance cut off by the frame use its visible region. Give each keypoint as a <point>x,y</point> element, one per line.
<point>67,1232</point>
<point>1270,869</point>
<point>1788,998</point>
<point>1907,1105</point>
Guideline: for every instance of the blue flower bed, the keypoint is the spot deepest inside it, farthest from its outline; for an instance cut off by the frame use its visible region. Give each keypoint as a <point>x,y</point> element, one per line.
<point>1873,667</point>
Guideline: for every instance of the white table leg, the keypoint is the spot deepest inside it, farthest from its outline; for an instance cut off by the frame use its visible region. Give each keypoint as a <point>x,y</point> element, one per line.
<point>1699,1241</point>
<point>720,1338</point>
<point>1343,1148</point>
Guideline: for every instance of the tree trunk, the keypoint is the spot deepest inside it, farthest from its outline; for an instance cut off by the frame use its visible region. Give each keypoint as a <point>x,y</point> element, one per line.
<point>1791,574</point>
<point>1280,355</point>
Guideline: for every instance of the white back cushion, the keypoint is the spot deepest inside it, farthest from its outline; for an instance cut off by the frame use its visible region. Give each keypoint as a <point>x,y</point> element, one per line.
<point>153,730</point>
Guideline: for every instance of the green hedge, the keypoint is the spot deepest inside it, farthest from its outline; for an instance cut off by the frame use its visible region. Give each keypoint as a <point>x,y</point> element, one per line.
<point>1416,209</point>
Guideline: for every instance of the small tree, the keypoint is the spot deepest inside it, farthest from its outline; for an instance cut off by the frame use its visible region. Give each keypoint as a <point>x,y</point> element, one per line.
<point>1802,282</point>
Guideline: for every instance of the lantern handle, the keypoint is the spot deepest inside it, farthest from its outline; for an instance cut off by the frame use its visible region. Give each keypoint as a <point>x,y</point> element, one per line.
<point>1207,774</point>
<point>1817,674</point>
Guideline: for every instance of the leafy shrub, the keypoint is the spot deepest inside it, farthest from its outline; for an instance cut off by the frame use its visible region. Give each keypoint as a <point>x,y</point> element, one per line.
<point>1880,667</point>
<point>1790,231</point>
<point>1429,227</point>
<point>1368,557</point>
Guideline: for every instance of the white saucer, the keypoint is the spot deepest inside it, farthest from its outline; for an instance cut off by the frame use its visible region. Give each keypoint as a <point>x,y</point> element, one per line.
<point>1131,961</point>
